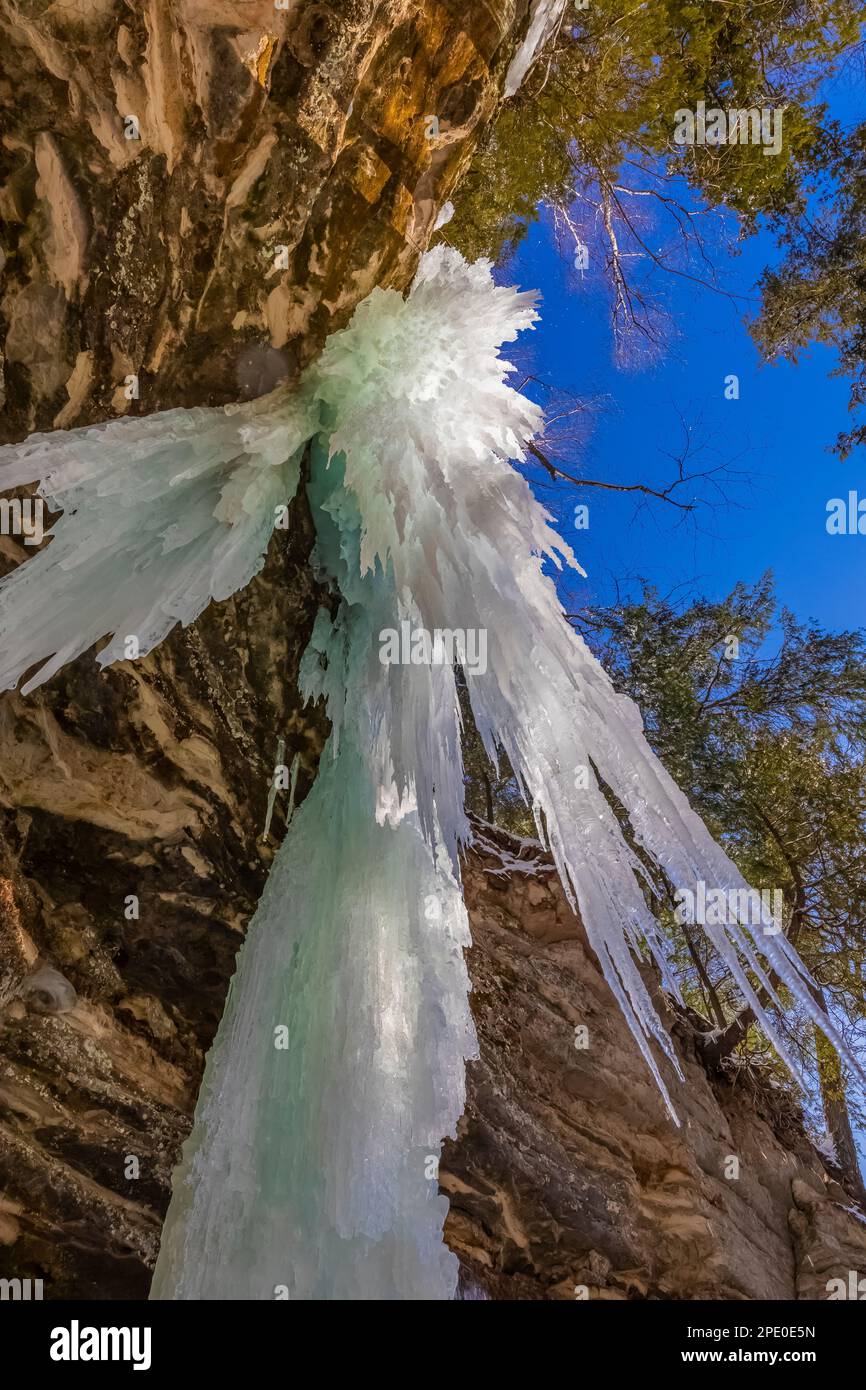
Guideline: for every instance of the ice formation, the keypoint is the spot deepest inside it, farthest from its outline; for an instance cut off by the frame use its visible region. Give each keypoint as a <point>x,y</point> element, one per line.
<point>338,1067</point>
<point>311,1170</point>
<point>544,17</point>
<point>160,515</point>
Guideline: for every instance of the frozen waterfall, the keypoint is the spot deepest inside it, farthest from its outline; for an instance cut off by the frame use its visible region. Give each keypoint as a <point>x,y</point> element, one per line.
<point>339,1065</point>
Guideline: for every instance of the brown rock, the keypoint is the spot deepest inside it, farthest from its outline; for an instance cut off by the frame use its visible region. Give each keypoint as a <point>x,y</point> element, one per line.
<point>568,1173</point>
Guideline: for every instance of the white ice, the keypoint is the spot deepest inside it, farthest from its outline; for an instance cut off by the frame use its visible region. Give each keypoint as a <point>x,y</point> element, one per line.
<point>161,514</point>
<point>544,17</point>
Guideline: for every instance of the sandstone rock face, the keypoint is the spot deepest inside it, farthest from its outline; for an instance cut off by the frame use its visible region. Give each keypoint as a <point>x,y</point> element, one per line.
<point>569,1179</point>
<point>196,193</point>
<point>132,806</point>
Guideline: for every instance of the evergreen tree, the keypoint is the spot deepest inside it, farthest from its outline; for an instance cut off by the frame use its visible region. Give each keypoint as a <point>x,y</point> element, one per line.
<point>597,114</point>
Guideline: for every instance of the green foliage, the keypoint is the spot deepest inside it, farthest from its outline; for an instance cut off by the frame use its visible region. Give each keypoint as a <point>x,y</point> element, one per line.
<point>602,109</point>
<point>507,181</point>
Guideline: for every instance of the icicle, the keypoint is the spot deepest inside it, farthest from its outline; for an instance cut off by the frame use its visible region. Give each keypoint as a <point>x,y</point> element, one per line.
<point>543,21</point>
<point>426,425</point>
<point>272,790</point>
<point>312,1168</point>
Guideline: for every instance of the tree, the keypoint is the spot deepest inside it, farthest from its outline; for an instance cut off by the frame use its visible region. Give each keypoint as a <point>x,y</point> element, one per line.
<point>591,135</point>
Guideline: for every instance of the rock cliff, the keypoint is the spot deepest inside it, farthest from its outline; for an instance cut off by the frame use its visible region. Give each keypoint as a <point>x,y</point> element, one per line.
<point>569,1178</point>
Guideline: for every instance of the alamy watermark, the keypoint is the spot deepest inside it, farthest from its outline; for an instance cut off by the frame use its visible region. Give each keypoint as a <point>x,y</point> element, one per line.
<point>23,516</point>
<point>750,125</point>
<point>77,1343</point>
<point>722,907</point>
<point>846,516</point>
<point>416,646</point>
<point>21,1290</point>
<point>854,1288</point>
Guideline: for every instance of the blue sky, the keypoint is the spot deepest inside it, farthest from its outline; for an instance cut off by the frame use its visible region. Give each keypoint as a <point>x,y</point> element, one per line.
<point>776,435</point>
